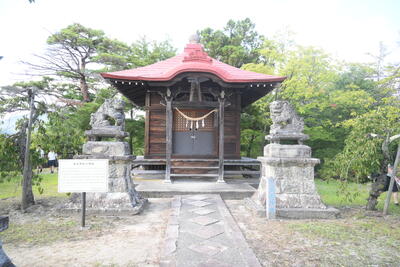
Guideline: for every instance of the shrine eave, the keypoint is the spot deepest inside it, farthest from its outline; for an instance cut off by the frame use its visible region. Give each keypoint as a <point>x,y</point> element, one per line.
<point>193,59</point>
<point>171,76</point>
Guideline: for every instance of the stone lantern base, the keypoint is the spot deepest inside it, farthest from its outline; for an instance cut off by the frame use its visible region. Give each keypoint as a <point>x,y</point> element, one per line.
<point>292,169</point>
<point>121,198</point>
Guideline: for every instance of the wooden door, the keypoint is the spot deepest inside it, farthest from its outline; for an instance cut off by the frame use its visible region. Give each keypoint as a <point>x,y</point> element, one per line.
<point>192,139</point>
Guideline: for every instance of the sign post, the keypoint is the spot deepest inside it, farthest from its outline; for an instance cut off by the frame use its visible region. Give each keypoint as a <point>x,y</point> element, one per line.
<point>81,176</point>
<point>270,204</point>
<point>83,209</point>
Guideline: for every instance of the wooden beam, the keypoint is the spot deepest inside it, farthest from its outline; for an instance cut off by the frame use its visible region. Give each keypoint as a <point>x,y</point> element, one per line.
<point>204,104</point>
<point>221,118</point>
<point>168,133</point>
<point>147,126</point>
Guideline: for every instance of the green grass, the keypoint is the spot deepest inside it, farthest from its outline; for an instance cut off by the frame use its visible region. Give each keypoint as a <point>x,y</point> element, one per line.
<point>352,241</point>
<point>331,195</point>
<point>49,182</point>
<point>40,232</point>
<point>44,231</point>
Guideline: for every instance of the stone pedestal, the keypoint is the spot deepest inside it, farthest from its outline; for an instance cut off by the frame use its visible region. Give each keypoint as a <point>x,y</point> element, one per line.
<point>121,198</point>
<point>292,168</point>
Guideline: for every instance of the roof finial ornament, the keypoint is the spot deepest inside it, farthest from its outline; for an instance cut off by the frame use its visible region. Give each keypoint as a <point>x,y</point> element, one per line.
<point>194,39</point>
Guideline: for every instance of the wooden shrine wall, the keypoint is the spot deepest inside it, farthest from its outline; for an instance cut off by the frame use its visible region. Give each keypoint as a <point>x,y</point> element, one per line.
<point>232,128</point>
<point>155,141</point>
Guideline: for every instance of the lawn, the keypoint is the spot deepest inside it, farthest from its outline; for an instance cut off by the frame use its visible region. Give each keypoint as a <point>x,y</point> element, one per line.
<point>12,188</point>
<point>330,194</point>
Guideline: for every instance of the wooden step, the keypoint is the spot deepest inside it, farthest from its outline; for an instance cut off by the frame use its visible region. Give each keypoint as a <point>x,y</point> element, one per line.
<point>194,167</point>
<point>197,160</point>
<point>147,172</point>
<point>242,172</point>
<point>194,171</point>
<point>192,164</point>
<point>188,175</point>
<point>242,163</point>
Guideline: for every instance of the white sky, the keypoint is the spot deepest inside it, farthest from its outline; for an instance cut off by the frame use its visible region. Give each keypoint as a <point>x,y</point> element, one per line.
<point>348,29</point>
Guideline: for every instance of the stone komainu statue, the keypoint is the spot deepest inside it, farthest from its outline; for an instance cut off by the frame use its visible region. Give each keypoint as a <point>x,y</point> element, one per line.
<point>111,108</point>
<point>285,119</point>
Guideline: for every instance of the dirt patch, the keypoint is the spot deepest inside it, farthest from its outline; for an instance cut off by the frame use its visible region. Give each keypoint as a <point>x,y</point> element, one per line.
<point>356,239</point>
<point>43,237</point>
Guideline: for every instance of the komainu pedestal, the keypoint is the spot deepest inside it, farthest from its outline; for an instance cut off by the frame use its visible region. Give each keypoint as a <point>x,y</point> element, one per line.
<point>121,196</point>
<point>292,168</point>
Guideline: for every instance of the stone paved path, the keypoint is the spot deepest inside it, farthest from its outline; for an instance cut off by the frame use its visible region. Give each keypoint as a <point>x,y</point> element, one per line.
<point>202,232</point>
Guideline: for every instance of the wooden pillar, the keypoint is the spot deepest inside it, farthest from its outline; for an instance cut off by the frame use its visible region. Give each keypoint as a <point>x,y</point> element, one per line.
<point>221,118</point>
<point>168,133</point>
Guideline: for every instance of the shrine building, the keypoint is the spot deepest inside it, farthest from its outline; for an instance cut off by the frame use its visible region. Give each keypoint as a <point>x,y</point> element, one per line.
<point>193,104</point>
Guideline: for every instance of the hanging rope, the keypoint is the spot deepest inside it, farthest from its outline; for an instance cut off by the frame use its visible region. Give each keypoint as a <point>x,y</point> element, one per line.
<point>198,118</point>
<point>195,122</point>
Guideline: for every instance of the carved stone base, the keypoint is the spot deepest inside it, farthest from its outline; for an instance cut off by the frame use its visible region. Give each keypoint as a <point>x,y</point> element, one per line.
<point>121,196</point>
<point>287,135</point>
<point>292,168</point>
<point>300,213</point>
<point>107,131</point>
<point>106,148</point>
<point>119,203</point>
<point>294,179</point>
<point>287,151</point>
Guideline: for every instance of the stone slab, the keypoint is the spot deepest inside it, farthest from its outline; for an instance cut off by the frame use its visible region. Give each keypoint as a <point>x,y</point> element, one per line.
<point>109,131</point>
<point>218,244</point>
<point>289,161</point>
<point>287,135</point>
<point>106,204</point>
<point>208,248</point>
<point>328,213</point>
<point>204,220</point>
<point>287,151</point>
<point>112,159</point>
<point>106,148</point>
<point>202,211</point>
<point>258,210</point>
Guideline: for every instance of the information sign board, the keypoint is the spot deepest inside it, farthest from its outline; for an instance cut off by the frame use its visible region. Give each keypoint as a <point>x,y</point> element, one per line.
<point>82,175</point>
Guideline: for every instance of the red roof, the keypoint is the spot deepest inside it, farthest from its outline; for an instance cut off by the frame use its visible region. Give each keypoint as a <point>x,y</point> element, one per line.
<point>193,59</point>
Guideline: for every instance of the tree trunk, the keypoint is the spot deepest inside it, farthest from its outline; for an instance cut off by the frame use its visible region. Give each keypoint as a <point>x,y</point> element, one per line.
<point>84,89</point>
<point>377,188</point>
<point>379,185</point>
<point>27,194</point>
<point>248,152</point>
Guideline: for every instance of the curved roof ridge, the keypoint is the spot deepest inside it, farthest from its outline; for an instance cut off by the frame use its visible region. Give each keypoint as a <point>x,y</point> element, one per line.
<point>193,59</point>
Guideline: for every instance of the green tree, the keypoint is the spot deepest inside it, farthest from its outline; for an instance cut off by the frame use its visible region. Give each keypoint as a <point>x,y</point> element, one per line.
<point>9,157</point>
<point>73,49</point>
<point>237,44</point>
<point>21,97</point>
<point>144,52</point>
<point>64,129</point>
<point>362,155</point>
